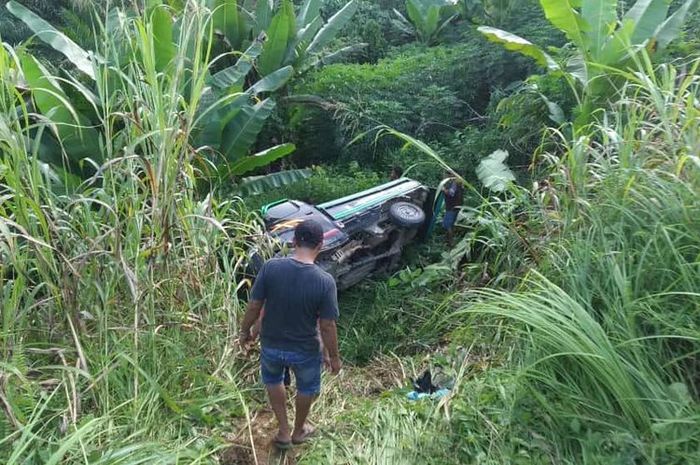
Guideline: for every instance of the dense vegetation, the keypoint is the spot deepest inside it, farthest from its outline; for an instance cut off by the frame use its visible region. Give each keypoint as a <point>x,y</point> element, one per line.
<point>137,140</point>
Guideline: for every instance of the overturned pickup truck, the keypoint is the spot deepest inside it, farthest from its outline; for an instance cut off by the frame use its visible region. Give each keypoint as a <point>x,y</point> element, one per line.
<point>363,233</point>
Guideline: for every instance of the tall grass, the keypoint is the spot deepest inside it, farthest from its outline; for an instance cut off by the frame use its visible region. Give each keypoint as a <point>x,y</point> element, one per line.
<point>610,321</point>
<point>118,300</point>
<point>600,334</point>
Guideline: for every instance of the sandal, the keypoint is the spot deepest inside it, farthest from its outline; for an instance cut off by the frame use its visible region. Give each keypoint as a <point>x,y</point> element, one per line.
<point>308,433</point>
<point>282,445</point>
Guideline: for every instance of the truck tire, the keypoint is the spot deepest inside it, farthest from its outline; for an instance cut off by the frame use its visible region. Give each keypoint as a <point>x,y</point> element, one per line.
<point>406,215</point>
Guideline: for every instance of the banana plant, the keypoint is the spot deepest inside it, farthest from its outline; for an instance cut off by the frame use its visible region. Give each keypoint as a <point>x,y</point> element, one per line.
<point>603,39</point>
<point>291,38</point>
<point>71,137</point>
<point>425,19</point>
<point>299,39</point>
<point>229,121</point>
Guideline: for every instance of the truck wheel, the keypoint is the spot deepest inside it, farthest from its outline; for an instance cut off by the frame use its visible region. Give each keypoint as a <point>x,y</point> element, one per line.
<point>406,215</point>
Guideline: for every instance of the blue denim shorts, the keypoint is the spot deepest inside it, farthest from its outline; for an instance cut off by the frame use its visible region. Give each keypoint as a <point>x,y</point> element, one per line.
<point>306,368</point>
<point>450,219</point>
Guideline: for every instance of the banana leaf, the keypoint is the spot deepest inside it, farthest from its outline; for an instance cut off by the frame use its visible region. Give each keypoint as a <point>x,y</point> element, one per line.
<point>275,46</point>
<point>258,184</point>
<point>518,44</point>
<point>263,15</point>
<point>671,28</point>
<point>229,21</point>
<point>72,129</point>
<point>309,12</point>
<point>261,159</point>
<point>493,173</point>
<point>561,14</point>
<point>646,15</point>
<point>240,133</point>
<point>162,27</point>
<point>53,37</point>
<point>234,75</point>
<point>332,27</point>
<point>273,81</point>
<point>600,17</point>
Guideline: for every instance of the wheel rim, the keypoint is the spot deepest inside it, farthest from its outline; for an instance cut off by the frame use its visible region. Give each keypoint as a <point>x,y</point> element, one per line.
<point>408,211</point>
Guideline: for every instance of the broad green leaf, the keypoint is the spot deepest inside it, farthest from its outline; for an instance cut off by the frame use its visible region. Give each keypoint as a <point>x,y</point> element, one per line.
<point>258,184</point>
<point>234,75</point>
<point>230,110</point>
<point>229,21</point>
<point>556,113</point>
<point>309,12</point>
<point>241,132</point>
<point>306,34</point>
<point>213,113</point>
<point>272,81</point>
<point>296,50</point>
<point>210,133</point>
<point>561,14</point>
<point>577,67</point>
<point>261,159</point>
<point>493,172</point>
<point>288,6</point>
<point>72,129</point>
<point>56,39</point>
<point>600,17</point>
<point>670,29</point>
<point>165,50</point>
<point>275,46</point>
<point>432,19</point>
<point>47,92</point>
<point>518,44</point>
<point>415,15</point>
<point>646,15</point>
<point>332,27</point>
<point>263,15</point>
<point>617,48</point>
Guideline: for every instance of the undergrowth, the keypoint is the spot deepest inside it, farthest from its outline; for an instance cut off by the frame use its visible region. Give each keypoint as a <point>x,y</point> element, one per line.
<point>592,353</point>
<point>565,323</point>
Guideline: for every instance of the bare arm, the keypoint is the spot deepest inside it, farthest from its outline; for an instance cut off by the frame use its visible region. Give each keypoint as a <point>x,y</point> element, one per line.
<point>329,336</point>
<point>252,313</point>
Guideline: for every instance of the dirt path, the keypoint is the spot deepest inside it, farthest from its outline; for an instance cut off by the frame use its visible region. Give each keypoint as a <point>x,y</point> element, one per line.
<point>252,444</point>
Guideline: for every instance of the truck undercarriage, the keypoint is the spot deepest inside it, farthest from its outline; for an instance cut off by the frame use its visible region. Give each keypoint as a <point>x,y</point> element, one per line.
<point>364,233</point>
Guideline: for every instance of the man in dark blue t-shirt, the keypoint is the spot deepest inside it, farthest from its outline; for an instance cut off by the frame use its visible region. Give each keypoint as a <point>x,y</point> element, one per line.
<point>299,297</point>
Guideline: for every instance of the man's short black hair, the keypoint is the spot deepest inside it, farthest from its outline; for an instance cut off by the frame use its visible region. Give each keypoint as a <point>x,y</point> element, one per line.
<point>309,234</point>
<point>397,170</point>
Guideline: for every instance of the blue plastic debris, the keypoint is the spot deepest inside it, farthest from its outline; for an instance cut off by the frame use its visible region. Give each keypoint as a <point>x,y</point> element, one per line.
<point>439,394</point>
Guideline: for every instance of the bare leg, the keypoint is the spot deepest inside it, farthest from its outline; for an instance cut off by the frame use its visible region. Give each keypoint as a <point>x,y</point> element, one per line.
<point>303,405</point>
<point>278,402</point>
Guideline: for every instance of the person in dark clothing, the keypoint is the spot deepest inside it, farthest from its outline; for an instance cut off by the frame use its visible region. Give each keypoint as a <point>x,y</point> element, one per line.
<point>454,193</point>
<point>396,173</point>
<point>255,332</point>
<point>297,296</point>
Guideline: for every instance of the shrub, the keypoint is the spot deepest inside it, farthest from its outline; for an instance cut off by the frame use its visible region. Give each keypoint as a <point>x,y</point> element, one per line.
<point>372,24</point>
<point>324,184</point>
<point>425,92</point>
